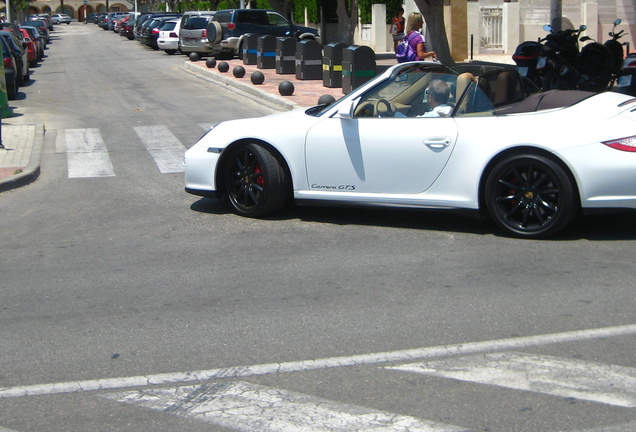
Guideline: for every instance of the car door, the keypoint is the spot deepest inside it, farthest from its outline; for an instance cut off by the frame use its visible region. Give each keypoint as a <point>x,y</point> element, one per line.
<point>383,142</point>
<point>378,155</point>
<point>277,24</point>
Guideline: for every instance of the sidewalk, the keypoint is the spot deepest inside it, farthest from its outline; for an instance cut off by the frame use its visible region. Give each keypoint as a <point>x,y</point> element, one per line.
<point>306,92</point>
<point>20,159</point>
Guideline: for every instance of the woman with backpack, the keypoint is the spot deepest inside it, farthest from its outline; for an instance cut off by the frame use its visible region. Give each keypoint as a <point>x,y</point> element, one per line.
<point>415,39</point>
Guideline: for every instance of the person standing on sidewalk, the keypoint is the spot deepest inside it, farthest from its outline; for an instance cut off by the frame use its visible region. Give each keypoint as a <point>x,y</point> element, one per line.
<point>417,43</point>
<point>397,27</point>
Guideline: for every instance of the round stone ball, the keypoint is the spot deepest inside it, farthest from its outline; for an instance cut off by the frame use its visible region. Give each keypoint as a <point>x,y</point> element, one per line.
<point>193,56</point>
<point>223,67</point>
<point>326,99</point>
<point>238,71</point>
<point>257,78</point>
<point>211,62</point>
<point>286,88</point>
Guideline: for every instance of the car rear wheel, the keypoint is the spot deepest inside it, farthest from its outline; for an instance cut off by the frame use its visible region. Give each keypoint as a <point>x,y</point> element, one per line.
<point>254,181</point>
<point>530,196</point>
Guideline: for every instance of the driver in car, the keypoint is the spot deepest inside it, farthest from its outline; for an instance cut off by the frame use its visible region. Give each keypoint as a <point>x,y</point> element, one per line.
<point>437,94</point>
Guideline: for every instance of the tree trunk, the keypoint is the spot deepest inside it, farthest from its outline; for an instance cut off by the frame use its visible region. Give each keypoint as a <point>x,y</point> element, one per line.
<point>433,12</point>
<point>347,20</point>
<point>283,7</point>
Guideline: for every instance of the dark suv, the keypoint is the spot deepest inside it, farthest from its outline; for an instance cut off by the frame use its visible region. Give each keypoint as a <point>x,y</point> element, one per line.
<point>226,30</point>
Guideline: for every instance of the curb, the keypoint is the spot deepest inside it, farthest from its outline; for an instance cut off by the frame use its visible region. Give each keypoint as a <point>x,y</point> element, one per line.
<point>32,171</point>
<point>241,88</point>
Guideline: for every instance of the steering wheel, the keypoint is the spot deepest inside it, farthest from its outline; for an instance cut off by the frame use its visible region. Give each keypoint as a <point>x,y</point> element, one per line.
<point>388,110</point>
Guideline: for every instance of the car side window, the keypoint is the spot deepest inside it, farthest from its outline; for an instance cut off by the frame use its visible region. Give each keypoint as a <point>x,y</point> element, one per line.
<point>475,103</point>
<point>407,95</point>
<point>277,20</point>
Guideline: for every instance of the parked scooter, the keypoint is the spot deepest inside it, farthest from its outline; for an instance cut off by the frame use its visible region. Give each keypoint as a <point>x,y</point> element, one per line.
<point>601,65</point>
<point>531,60</point>
<point>624,68</point>
<point>562,51</point>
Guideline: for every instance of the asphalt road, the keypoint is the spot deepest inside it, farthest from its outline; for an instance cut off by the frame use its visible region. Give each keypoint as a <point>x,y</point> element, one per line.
<point>128,305</point>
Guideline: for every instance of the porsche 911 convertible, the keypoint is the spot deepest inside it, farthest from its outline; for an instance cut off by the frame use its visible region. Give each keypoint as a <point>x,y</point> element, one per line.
<point>424,135</point>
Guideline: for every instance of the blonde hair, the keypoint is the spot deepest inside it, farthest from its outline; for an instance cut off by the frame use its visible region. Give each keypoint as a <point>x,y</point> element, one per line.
<point>414,22</point>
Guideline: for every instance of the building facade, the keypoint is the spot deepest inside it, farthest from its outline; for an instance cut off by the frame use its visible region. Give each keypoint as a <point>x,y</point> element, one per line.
<point>473,26</point>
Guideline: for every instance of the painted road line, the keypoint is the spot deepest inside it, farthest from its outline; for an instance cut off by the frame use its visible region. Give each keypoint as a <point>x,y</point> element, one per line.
<point>307,365</point>
<point>596,382</point>
<point>250,407</point>
<point>87,155</point>
<point>163,146</point>
<point>625,427</point>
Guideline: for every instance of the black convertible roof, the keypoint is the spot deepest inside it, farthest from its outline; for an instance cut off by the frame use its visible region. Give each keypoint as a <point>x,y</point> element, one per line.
<point>547,100</point>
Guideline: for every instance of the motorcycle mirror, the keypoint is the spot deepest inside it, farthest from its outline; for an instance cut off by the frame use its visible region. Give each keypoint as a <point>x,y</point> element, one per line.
<point>583,27</point>
<point>547,28</point>
<point>617,22</point>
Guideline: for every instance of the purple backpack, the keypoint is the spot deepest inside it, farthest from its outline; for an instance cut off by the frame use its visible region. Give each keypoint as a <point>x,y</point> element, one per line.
<point>404,52</point>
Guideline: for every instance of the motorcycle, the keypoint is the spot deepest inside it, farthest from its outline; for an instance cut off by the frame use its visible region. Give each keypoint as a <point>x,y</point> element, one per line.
<point>563,57</point>
<point>624,67</point>
<point>530,58</point>
<point>601,64</point>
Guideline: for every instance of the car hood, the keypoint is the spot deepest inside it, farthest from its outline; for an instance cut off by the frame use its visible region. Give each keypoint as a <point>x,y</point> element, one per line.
<point>272,128</point>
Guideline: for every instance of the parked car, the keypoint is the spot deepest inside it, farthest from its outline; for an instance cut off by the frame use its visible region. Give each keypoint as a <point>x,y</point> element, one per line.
<point>13,28</point>
<point>61,19</point>
<point>97,17</point>
<point>41,25</point>
<point>144,17</point>
<point>92,18</point>
<point>32,48</point>
<point>168,39</point>
<point>149,24</point>
<point>484,156</point>
<point>37,36</point>
<point>104,22</point>
<point>155,29</point>
<point>10,70</point>
<point>47,19</point>
<point>117,22</point>
<point>193,36</point>
<point>127,29</point>
<point>226,30</point>
<point>21,56</point>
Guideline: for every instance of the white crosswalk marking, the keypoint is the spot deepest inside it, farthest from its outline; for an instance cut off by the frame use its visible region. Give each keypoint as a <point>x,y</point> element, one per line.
<point>163,146</point>
<point>249,407</point>
<point>86,154</point>
<point>608,384</point>
<point>626,427</point>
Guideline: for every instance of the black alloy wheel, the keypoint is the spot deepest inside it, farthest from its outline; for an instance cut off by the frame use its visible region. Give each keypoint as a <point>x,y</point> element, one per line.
<point>254,181</point>
<point>530,196</point>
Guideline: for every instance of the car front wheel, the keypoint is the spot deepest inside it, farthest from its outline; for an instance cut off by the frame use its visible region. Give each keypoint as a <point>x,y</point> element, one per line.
<point>530,196</point>
<point>254,182</point>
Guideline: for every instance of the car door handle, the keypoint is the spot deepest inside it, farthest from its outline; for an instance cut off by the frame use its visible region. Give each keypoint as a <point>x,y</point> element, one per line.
<point>437,142</point>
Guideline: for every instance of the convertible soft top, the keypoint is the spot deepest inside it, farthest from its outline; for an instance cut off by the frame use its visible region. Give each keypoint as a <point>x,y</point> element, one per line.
<point>547,100</point>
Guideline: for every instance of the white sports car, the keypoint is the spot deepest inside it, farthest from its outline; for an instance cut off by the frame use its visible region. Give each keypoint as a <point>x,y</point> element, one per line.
<point>531,163</point>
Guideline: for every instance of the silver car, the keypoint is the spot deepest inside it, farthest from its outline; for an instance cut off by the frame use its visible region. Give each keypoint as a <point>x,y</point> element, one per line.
<point>61,19</point>
<point>193,35</point>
